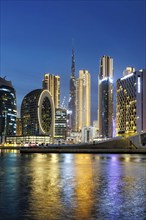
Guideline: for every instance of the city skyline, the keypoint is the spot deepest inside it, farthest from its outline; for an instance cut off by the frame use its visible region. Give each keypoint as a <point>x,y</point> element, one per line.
<point>36,38</point>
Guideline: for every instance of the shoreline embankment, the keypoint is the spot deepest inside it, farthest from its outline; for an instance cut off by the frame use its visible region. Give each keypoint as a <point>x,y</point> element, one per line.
<point>119,146</point>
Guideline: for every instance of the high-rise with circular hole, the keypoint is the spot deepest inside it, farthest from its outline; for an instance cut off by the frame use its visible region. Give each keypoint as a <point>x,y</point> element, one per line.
<point>38,113</point>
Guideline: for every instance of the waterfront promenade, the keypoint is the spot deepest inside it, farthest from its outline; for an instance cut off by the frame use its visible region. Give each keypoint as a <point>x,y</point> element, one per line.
<point>109,146</point>
<point>82,150</point>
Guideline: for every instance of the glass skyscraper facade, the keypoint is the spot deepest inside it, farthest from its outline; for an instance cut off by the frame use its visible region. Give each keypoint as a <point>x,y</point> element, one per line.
<point>105,97</point>
<point>8,109</point>
<point>131,103</point>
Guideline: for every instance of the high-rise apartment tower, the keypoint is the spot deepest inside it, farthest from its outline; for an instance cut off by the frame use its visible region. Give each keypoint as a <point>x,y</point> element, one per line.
<point>60,123</point>
<point>83,100</point>
<point>131,103</point>
<point>105,97</point>
<point>52,84</point>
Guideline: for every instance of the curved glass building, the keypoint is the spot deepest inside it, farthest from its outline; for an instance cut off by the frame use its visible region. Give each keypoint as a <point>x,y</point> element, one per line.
<point>37,113</point>
<point>8,110</point>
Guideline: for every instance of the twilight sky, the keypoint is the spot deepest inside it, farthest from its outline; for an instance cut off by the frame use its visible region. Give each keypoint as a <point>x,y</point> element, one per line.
<point>36,38</point>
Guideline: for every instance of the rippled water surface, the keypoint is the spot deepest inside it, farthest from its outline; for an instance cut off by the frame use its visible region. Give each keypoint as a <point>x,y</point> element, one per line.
<point>72,186</point>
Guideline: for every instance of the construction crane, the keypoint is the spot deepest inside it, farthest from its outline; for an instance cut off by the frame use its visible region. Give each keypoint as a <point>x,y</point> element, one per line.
<point>63,102</point>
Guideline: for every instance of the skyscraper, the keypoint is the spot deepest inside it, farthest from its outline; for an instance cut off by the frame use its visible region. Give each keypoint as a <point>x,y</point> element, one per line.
<point>72,96</point>
<point>37,113</point>
<point>131,103</point>
<point>60,123</point>
<point>52,84</point>
<point>8,110</point>
<point>105,97</point>
<point>83,100</point>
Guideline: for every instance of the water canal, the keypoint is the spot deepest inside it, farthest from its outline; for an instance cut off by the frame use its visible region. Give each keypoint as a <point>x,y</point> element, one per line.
<point>72,186</point>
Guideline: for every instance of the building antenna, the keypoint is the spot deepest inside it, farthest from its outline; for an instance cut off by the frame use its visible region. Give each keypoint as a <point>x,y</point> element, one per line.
<point>72,42</point>
<point>73,60</point>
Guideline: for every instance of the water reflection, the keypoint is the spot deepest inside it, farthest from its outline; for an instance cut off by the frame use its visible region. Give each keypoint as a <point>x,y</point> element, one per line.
<point>72,186</point>
<point>84,190</point>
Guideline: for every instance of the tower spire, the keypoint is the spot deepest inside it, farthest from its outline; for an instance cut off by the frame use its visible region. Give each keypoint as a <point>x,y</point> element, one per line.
<point>73,64</point>
<point>72,96</point>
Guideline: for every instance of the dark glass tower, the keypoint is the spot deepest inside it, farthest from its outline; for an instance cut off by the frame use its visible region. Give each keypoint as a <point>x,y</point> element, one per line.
<point>8,110</point>
<point>105,97</point>
<point>72,96</point>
